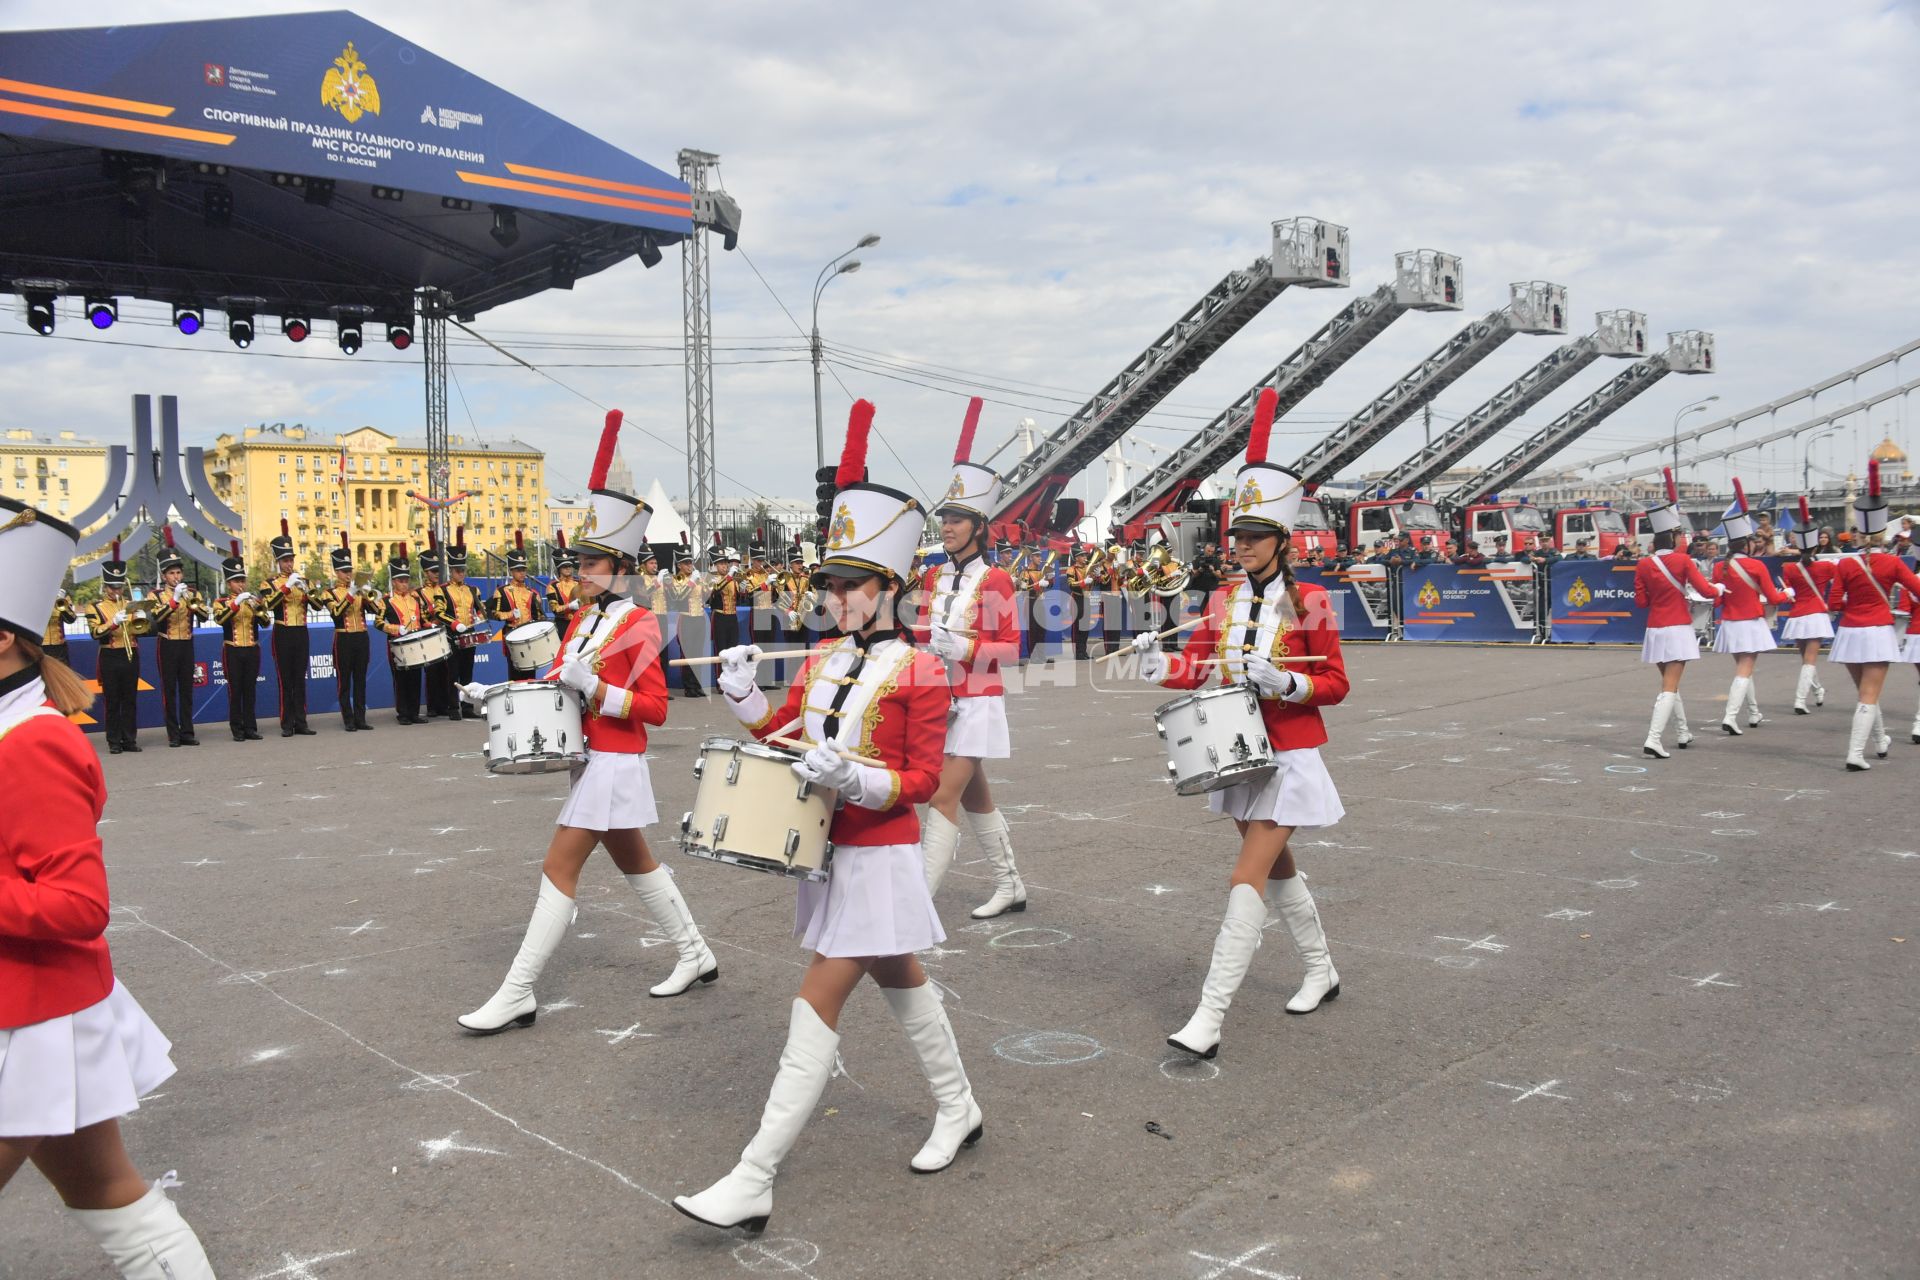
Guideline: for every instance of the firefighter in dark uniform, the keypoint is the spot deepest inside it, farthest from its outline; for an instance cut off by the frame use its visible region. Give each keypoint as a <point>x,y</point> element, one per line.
<point>53,641</point>
<point>242,617</point>
<point>405,612</point>
<point>464,614</point>
<point>117,628</point>
<point>515,604</point>
<point>350,605</point>
<point>439,677</point>
<point>179,607</point>
<point>286,597</point>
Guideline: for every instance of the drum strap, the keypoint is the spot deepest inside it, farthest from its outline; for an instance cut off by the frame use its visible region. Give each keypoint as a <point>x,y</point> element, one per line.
<point>1667,573</point>
<point>1866,571</point>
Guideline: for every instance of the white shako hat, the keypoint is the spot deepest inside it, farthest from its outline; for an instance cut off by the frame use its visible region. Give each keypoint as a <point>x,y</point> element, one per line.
<point>35,550</point>
<point>1870,509</point>
<point>1805,537</point>
<point>1740,523</point>
<point>616,523</point>
<point>974,490</point>
<point>873,529</point>
<point>1670,517</point>
<point>1266,498</point>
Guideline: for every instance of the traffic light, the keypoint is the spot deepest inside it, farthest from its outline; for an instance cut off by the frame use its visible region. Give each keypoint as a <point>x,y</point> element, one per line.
<point>823,491</point>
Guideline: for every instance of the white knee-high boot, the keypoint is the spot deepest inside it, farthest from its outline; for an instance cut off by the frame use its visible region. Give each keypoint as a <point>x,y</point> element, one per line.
<point>1916,725</point>
<point>148,1239</point>
<point>513,1004</point>
<point>1819,690</point>
<point>957,1122</point>
<point>1682,736</point>
<point>1663,704</point>
<point>1881,742</point>
<point>1233,949</point>
<point>1295,905</point>
<point>1736,700</point>
<point>1863,716</point>
<point>663,902</point>
<point>1009,891</point>
<point>744,1198</point>
<point>1753,702</point>
<point>937,840</point>
<point>1802,688</point>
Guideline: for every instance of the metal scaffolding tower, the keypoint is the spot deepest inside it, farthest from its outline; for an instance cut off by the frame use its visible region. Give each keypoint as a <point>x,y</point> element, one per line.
<point>696,289</point>
<point>433,346</point>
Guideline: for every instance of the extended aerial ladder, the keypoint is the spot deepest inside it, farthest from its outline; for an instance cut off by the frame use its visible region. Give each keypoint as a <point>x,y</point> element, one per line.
<point>1423,280</point>
<point>1306,252</point>
<point>1689,351</point>
<point>1616,333</point>
<point>1535,307</point>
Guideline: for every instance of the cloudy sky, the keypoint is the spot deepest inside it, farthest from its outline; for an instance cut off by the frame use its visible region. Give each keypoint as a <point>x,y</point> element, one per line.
<point>1056,182</point>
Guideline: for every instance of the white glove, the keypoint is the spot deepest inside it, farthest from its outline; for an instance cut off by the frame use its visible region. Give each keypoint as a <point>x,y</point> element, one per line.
<point>738,666</point>
<point>475,693</point>
<point>1267,678</point>
<point>1154,666</point>
<point>575,674</point>
<point>354,590</point>
<point>1793,593</point>
<point>946,644</point>
<point>825,766</point>
<point>244,597</point>
<point>294,581</point>
<point>1145,642</point>
<point>573,605</point>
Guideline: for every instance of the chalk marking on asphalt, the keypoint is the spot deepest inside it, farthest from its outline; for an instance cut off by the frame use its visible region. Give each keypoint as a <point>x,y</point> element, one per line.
<point>1523,1091</point>
<point>438,1147</point>
<point>1242,1265</point>
<point>1711,980</point>
<point>292,1268</point>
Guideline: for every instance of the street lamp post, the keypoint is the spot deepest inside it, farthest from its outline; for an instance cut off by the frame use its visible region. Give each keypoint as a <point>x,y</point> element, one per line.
<point>1698,406</point>
<point>837,267</point>
<point>1806,457</point>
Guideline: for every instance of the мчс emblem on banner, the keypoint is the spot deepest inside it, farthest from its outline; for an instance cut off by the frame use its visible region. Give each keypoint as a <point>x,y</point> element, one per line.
<point>348,88</point>
<point>1578,595</point>
<point>1429,596</point>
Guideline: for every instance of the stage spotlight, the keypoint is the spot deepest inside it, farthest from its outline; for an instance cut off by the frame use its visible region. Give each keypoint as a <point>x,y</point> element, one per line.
<point>188,320</point>
<point>320,191</point>
<point>296,328</point>
<point>400,335</point>
<point>649,251</point>
<point>506,226</point>
<point>40,313</point>
<point>240,328</point>
<point>457,203</point>
<point>101,313</point>
<point>350,335</point>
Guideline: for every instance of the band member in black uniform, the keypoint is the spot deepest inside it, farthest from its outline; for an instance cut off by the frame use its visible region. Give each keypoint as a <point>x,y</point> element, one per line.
<point>405,612</point>
<point>439,676</point>
<point>563,592</point>
<point>242,617</point>
<point>723,599</point>
<point>516,603</point>
<point>117,628</point>
<point>683,603</point>
<point>465,613</point>
<point>53,642</point>
<point>286,596</point>
<point>350,605</point>
<point>178,608</point>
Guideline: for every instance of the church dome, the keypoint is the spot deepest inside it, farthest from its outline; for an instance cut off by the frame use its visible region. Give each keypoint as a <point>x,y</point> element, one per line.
<point>1888,451</point>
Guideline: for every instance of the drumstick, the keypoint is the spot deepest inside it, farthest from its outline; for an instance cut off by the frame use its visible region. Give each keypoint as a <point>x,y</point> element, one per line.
<point>840,751</point>
<point>1162,635</point>
<point>703,662</point>
<point>1285,657</point>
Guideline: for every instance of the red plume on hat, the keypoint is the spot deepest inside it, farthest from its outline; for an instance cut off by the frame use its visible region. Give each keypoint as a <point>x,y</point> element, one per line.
<point>1263,409</point>
<point>519,540</point>
<point>116,548</point>
<point>343,541</point>
<point>1673,490</point>
<point>560,537</point>
<point>964,451</point>
<point>459,537</point>
<point>683,538</point>
<point>853,457</point>
<point>1739,495</point>
<point>433,540</point>
<point>235,544</point>
<point>609,440</point>
<point>166,535</point>
<point>403,552</point>
<point>285,532</point>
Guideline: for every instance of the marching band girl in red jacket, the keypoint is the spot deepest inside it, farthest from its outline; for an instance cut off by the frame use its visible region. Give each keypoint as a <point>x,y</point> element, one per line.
<point>1256,631</point>
<point>611,659</point>
<point>1746,588</point>
<point>970,626</point>
<point>76,1050</point>
<point>870,693</point>
<point>1808,624</point>
<point>1659,586</point>
<point>1863,589</point>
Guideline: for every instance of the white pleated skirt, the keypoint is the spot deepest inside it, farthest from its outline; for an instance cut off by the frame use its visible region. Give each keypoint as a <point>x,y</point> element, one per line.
<point>66,1073</point>
<point>1808,626</point>
<point>1669,644</point>
<point>1750,635</point>
<point>1300,794</point>
<point>977,728</point>
<point>612,791</point>
<point>1864,644</point>
<point>874,903</point>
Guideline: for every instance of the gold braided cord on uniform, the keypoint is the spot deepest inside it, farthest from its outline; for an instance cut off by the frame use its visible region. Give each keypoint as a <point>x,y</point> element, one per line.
<point>870,538</point>
<point>870,718</point>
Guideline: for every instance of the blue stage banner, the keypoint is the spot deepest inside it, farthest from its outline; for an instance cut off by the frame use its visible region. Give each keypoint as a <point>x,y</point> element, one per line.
<point>1591,602</point>
<point>1361,598</point>
<point>1447,602</point>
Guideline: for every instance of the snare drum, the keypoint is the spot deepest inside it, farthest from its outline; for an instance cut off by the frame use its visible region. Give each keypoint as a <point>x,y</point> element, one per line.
<point>752,811</point>
<point>1214,739</point>
<point>533,726</point>
<point>532,645</point>
<point>420,648</point>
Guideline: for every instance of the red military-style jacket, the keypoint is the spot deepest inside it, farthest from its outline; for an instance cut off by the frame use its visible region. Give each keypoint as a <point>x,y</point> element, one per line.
<point>1291,726</point>
<point>1811,582</point>
<point>1863,588</point>
<point>627,660</point>
<point>53,883</point>
<point>904,724</point>
<point>1667,605</point>
<point>1742,603</point>
<point>975,597</point>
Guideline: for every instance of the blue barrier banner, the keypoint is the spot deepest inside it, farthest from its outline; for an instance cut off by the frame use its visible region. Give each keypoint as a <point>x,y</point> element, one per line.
<point>1591,602</point>
<point>1448,602</point>
<point>1361,596</point>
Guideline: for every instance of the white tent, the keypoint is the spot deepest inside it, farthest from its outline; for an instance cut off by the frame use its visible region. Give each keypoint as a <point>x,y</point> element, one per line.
<point>666,525</point>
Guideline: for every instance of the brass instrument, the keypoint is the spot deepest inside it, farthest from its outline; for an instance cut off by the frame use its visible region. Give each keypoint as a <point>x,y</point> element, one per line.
<point>1159,574</point>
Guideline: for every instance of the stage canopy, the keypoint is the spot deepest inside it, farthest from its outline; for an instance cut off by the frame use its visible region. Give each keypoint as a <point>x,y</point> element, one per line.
<point>312,163</point>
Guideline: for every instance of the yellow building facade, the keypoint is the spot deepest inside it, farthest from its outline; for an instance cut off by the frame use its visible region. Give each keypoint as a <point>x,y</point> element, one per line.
<point>360,481</point>
<point>61,474</point>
